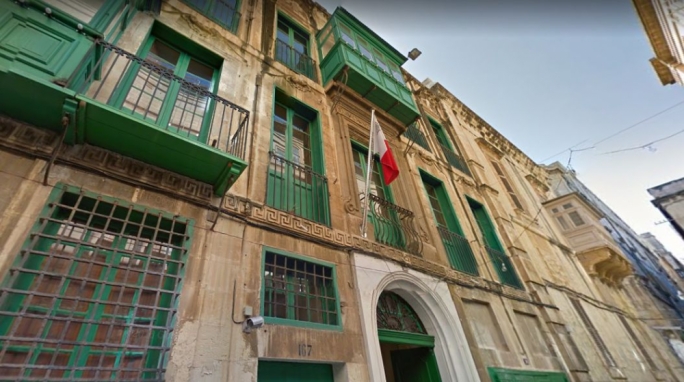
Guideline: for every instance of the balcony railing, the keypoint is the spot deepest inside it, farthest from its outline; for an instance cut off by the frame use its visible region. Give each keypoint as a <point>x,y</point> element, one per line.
<point>220,11</point>
<point>458,251</point>
<point>297,189</point>
<point>297,61</point>
<point>414,134</point>
<point>393,225</point>
<point>143,89</point>
<point>455,160</point>
<point>504,268</point>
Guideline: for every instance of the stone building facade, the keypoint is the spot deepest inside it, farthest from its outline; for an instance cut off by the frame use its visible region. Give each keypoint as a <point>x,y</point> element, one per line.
<point>662,21</point>
<point>174,173</point>
<point>668,198</point>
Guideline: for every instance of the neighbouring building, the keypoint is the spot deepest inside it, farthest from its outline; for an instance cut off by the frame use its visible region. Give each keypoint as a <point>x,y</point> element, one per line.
<point>182,190</point>
<point>667,260</point>
<point>663,22</point>
<point>669,199</point>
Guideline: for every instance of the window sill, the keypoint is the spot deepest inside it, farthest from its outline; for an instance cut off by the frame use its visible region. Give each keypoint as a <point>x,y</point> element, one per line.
<point>302,324</point>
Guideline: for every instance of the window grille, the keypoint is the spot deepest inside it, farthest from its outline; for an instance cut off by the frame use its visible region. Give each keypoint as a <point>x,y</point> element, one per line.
<point>93,294</point>
<point>299,290</point>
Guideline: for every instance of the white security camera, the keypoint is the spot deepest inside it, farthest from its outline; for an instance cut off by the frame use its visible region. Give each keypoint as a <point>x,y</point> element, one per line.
<point>252,323</point>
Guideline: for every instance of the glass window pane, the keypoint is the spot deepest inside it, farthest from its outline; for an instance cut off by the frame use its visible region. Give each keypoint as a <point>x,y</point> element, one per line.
<point>346,34</point>
<point>163,55</point>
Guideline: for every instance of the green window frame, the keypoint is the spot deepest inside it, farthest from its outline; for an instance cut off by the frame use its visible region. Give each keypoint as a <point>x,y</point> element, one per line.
<point>497,255</point>
<point>164,102</point>
<point>457,247</point>
<point>93,294</point>
<point>223,12</point>
<point>451,152</point>
<point>299,291</point>
<point>296,180</point>
<point>293,44</point>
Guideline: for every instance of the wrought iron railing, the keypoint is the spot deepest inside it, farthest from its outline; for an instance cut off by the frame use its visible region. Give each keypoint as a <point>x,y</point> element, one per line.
<point>148,91</point>
<point>393,225</point>
<point>459,252</point>
<point>220,11</point>
<point>297,61</point>
<point>504,268</point>
<point>297,189</point>
<point>455,160</point>
<point>413,133</point>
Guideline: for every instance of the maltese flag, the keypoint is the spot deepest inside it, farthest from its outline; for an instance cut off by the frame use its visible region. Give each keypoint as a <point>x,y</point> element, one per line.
<point>390,169</point>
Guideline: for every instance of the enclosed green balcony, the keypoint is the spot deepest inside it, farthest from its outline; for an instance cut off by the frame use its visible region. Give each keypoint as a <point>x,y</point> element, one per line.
<point>372,65</point>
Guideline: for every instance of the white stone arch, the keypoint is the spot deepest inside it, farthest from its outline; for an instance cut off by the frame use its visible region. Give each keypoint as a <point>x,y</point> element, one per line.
<point>431,300</point>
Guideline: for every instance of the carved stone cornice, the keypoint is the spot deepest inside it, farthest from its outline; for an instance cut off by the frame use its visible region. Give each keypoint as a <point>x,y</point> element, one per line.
<point>40,142</point>
<point>485,144</point>
<point>541,186</point>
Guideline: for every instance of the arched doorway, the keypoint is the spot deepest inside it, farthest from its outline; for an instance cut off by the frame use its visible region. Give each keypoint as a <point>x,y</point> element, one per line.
<point>407,349</point>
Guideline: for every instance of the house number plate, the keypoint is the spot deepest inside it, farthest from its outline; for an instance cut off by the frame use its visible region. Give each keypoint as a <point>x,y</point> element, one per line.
<point>305,350</point>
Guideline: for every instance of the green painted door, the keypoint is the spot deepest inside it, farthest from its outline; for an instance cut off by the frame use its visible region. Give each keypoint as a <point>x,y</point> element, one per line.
<point>415,365</point>
<point>293,184</point>
<point>386,222</point>
<point>272,371</point>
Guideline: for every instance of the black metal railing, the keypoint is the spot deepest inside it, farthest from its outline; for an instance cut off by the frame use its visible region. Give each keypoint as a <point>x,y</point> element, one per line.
<point>504,268</point>
<point>455,160</point>
<point>413,133</point>
<point>220,11</point>
<point>148,91</point>
<point>393,225</point>
<point>297,189</point>
<point>459,252</point>
<point>297,61</point>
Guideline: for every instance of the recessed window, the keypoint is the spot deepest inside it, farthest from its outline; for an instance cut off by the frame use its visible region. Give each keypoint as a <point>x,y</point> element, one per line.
<point>299,290</point>
<point>93,293</point>
<point>292,47</point>
<point>223,12</point>
<point>567,206</point>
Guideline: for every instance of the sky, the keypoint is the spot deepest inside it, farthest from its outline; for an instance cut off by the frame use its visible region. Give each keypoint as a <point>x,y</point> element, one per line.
<point>550,75</point>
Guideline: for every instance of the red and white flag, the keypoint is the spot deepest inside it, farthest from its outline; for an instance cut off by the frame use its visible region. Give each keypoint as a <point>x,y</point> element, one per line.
<point>390,169</point>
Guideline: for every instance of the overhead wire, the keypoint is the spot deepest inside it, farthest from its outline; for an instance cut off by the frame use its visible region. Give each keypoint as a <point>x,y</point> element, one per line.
<point>613,135</point>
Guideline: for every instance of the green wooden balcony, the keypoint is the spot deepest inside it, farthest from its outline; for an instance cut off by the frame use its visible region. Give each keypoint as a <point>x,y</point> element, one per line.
<point>356,56</point>
<point>138,108</point>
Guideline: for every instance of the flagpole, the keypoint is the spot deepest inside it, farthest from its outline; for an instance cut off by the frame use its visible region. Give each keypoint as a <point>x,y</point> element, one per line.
<point>369,170</point>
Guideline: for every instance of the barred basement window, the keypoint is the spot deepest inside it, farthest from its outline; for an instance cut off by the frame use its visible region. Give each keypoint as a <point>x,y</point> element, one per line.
<point>93,294</point>
<point>299,290</point>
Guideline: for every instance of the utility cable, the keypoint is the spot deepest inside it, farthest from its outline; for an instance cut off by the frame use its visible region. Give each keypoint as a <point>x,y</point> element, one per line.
<point>646,145</point>
<point>616,133</point>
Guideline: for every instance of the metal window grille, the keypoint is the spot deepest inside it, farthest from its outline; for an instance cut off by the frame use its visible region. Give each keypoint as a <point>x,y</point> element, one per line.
<point>603,349</point>
<point>93,294</point>
<point>300,290</point>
